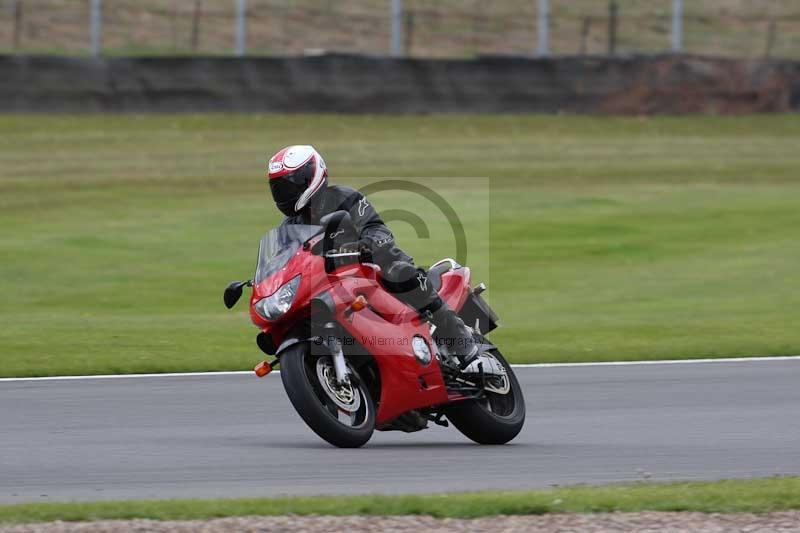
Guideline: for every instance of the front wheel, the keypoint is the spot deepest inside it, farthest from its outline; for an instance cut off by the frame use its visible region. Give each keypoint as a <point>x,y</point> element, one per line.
<point>499,416</point>
<point>342,414</point>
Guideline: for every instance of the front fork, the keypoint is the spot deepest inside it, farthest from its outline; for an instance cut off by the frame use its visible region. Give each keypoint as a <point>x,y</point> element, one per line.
<point>331,332</point>
<point>332,342</point>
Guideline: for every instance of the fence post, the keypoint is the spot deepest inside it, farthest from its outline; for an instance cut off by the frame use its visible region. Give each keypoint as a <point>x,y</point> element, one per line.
<point>175,17</point>
<point>585,26</point>
<point>241,27</point>
<point>409,36</point>
<point>397,28</point>
<point>543,28</point>
<point>16,10</point>
<point>96,29</point>
<point>677,26</point>
<point>772,31</point>
<point>196,14</point>
<point>613,13</point>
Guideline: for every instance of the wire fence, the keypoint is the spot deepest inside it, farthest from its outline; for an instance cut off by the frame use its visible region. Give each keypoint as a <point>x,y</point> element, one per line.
<point>422,28</point>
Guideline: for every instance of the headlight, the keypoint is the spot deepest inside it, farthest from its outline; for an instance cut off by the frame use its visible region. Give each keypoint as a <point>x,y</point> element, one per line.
<point>275,305</point>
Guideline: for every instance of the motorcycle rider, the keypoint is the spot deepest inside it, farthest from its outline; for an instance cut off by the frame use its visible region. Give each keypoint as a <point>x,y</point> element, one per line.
<point>298,179</point>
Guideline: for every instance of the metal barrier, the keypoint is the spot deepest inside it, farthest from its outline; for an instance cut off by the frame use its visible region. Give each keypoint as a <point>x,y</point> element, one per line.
<point>412,28</point>
<point>362,84</point>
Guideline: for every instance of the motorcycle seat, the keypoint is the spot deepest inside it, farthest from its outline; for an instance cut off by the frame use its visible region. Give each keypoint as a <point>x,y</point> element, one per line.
<point>435,274</point>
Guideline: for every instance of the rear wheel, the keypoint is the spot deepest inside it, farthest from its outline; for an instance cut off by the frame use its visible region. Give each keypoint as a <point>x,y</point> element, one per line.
<point>499,416</point>
<point>342,414</point>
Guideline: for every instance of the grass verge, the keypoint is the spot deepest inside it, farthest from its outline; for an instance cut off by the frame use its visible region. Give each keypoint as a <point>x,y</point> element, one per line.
<point>756,496</point>
<point>603,238</point>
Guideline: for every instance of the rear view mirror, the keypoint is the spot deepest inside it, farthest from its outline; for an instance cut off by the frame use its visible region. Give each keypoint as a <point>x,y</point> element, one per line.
<point>233,292</point>
<point>338,227</point>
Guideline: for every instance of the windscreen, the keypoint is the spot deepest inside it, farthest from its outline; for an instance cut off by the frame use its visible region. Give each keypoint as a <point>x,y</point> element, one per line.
<point>279,245</point>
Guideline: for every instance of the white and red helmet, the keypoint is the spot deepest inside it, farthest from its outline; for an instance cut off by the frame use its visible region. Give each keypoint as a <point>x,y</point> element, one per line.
<point>296,174</point>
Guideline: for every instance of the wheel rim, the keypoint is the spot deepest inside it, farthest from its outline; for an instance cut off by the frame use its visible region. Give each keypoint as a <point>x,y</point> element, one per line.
<point>344,402</point>
<point>500,399</point>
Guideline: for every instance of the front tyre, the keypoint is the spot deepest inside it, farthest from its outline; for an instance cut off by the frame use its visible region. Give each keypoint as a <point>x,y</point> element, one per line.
<point>498,417</point>
<point>343,415</point>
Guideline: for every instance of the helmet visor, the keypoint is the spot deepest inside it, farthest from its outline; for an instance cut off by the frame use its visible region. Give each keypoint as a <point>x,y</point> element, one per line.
<point>286,190</point>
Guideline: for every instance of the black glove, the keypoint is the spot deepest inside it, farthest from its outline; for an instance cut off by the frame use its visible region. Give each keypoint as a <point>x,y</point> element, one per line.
<point>361,246</point>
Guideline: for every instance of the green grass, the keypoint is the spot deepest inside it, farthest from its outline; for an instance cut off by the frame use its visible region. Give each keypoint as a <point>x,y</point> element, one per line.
<point>756,496</point>
<point>607,238</point>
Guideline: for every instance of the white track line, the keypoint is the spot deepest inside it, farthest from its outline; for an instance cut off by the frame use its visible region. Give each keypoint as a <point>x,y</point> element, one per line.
<point>130,376</point>
<point>664,362</point>
<point>529,365</point>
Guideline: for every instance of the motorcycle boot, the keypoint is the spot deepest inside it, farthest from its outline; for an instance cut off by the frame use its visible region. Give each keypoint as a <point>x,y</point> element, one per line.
<point>453,337</point>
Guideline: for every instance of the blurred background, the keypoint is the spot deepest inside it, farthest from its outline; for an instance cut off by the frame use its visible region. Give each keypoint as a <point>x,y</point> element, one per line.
<point>414,28</point>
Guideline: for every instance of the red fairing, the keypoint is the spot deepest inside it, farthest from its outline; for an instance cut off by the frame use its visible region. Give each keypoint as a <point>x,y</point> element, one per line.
<point>455,287</point>
<point>385,327</point>
<point>406,384</point>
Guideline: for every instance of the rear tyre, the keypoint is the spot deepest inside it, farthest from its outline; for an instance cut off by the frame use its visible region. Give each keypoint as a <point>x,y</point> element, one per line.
<point>495,419</point>
<point>342,415</point>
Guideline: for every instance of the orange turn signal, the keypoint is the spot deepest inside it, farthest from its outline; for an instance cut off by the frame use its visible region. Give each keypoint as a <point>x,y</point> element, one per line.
<point>359,303</point>
<point>262,369</point>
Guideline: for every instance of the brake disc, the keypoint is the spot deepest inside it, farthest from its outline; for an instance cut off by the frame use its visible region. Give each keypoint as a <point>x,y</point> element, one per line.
<point>495,374</point>
<point>498,384</point>
<point>343,395</point>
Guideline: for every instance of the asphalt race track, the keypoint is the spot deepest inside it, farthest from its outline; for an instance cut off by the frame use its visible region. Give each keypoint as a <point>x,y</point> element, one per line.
<point>236,435</point>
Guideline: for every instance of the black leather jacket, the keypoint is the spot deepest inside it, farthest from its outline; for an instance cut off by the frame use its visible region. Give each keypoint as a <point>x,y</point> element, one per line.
<point>372,231</point>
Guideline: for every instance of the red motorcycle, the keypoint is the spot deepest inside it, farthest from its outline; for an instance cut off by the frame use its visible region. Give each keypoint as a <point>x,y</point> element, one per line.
<point>354,358</point>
